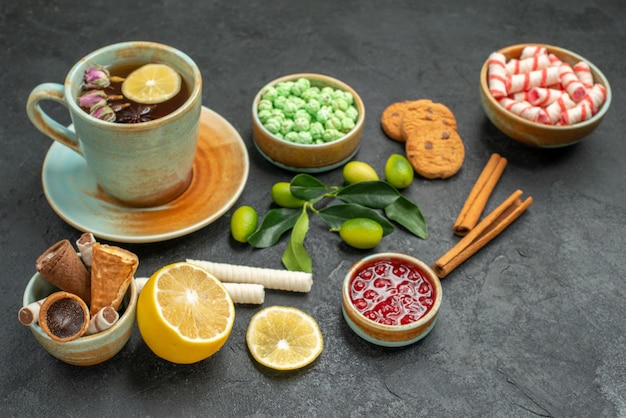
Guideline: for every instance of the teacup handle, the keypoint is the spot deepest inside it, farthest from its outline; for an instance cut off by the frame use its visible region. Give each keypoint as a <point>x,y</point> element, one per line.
<point>43,122</point>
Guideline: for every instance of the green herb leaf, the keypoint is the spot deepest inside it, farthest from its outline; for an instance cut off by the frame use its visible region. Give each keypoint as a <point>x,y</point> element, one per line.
<point>275,223</point>
<point>307,187</point>
<point>334,216</point>
<point>372,194</point>
<point>295,257</point>
<point>409,215</point>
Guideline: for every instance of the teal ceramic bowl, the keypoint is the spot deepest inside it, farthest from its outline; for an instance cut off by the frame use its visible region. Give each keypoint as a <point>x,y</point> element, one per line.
<point>391,299</point>
<point>308,158</point>
<point>87,350</point>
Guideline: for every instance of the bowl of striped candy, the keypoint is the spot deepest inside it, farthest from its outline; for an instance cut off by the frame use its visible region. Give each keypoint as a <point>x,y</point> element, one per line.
<point>307,122</point>
<point>543,95</point>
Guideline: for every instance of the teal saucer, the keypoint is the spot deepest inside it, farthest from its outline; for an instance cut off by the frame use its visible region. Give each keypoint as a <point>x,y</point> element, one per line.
<point>220,173</point>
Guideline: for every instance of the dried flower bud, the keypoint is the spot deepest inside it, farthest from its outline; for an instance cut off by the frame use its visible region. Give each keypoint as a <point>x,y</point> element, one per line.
<point>105,113</point>
<point>96,77</point>
<point>93,99</point>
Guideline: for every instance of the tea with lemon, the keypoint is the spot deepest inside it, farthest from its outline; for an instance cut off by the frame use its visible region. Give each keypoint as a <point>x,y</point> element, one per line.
<point>141,92</point>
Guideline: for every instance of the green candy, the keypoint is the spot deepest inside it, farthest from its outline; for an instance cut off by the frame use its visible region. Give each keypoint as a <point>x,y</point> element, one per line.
<point>304,138</point>
<point>333,123</point>
<point>352,113</point>
<point>324,114</point>
<point>273,125</point>
<point>287,126</point>
<point>312,106</point>
<point>264,115</point>
<point>330,135</point>
<point>279,102</point>
<point>302,125</point>
<point>347,125</point>
<point>310,93</point>
<point>265,104</point>
<point>298,112</point>
<point>317,130</point>
<point>292,136</point>
<point>270,93</point>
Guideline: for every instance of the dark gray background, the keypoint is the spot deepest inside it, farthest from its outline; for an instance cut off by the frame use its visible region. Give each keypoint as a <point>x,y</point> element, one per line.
<point>533,325</point>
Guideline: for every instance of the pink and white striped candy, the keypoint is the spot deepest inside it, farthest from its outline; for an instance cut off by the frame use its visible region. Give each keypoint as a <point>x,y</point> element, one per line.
<point>558,107</point>
<point>531,50</point>
<point>595,97</point>
<point>554,60</point>
<point>537,78</point>
<point>497,75</point>
<point>543,96</point>
<point>583,72</point>
<point>526,110</point>
<point>540,87</point>
<point>574,87</point>
<point>535,62</point>
<point>579,113</point>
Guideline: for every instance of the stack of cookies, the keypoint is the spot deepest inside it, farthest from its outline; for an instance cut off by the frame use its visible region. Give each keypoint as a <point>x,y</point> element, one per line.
<point>429,131</point>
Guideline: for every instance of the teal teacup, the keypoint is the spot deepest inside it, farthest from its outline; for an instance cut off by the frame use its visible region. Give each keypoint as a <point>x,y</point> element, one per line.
<point>137,164</point>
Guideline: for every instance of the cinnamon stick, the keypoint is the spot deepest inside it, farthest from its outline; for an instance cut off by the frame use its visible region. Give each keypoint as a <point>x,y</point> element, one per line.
<point>489,228</point>
<point>479,195</point>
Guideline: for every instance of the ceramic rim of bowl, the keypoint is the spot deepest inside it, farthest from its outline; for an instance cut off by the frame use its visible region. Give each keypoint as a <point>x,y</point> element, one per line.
<point>559,52</point>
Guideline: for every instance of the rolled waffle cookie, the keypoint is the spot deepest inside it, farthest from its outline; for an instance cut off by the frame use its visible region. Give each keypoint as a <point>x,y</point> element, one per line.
<point>112,270</point>
<point>61,266</point>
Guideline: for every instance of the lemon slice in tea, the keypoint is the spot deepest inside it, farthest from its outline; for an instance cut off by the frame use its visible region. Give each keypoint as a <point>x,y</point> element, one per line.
<point>284,338</point>
<point>184,314</point>
<point>152,84</point>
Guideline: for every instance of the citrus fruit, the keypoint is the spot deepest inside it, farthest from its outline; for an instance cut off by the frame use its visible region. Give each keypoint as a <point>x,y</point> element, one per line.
<point>284,338</point>
<point>398,171</point>
<point>243,223</point>
<point>151,84</point>
<point>281,195</point>
<point>358,171</point>
<point>184,314</point>
<point>361,233</point>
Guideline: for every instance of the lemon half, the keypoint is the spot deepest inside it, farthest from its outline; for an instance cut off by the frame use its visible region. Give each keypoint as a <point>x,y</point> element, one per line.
<point>184,314</point>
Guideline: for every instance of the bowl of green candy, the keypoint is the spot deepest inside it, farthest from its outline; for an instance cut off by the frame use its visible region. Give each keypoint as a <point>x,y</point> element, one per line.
<point>307,122</point>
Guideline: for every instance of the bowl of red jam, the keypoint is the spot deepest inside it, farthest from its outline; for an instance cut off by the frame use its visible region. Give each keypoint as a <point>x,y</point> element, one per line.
<point>391,299</point>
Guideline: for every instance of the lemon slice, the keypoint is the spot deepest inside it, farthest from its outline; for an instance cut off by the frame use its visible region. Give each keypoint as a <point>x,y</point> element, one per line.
<point>152,84</point>
<point>284,338</point>
<point>184,314</point>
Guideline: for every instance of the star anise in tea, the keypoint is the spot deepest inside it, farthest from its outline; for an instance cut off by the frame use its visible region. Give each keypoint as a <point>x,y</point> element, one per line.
<point>136,114</point>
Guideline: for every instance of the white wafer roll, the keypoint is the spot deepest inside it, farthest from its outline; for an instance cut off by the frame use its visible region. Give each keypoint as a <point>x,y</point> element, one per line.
<point>294,281</point>
<point>29,314</point>
<point>252,293</point>
<point>84,245</point>
<point>246,293</point>
<point>103,320</point>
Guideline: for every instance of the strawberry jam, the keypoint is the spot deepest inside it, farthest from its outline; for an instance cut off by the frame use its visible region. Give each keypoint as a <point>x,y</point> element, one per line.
<point>391,292</point>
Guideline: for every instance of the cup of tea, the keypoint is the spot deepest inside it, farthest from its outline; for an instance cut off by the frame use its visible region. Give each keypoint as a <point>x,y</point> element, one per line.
<point>140,152</point>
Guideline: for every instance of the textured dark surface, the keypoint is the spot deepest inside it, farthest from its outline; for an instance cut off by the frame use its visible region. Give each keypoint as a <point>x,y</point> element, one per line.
<point>532,325</point>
